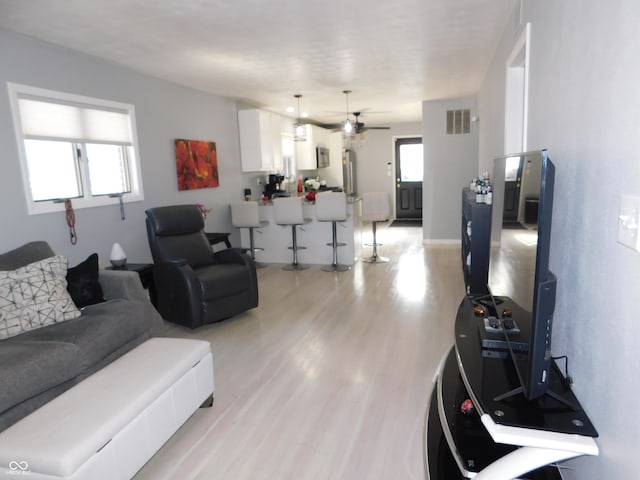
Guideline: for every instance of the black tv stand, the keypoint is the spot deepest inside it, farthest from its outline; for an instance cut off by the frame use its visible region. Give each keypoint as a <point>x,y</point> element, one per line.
<point>507,436</point>
<point>550,393</point>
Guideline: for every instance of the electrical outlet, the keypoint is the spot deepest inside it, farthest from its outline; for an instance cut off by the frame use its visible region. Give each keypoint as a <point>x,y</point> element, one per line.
<point>629,221</point>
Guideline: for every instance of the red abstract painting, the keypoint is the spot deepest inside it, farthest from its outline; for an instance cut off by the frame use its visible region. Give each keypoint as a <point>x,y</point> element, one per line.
<point>197,164</point>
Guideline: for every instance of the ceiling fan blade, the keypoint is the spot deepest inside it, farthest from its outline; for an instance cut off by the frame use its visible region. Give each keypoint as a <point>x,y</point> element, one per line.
<point>369,111</point>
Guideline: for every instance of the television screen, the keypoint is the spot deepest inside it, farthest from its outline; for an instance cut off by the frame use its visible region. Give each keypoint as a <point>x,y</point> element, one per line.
<point>516,190</point>
<point>519,267</point>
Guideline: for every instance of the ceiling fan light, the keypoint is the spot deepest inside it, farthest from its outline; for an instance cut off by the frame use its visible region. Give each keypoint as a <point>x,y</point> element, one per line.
<point>347,126</point>
<point>299,130</point>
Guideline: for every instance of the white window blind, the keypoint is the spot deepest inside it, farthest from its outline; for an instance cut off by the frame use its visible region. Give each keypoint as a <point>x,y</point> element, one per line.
<point>73,146</point>
<point>74,123</point>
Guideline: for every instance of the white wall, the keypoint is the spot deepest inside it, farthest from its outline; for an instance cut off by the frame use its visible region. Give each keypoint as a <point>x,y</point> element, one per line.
<point>584,105</point>
<point>450,162</point>
<point>164,112</point>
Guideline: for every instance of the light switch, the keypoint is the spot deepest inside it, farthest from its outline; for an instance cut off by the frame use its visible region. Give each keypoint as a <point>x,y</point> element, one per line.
<point>628,222</point>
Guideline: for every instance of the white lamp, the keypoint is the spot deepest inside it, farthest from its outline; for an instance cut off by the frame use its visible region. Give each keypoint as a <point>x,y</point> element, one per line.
<point>118,258</point>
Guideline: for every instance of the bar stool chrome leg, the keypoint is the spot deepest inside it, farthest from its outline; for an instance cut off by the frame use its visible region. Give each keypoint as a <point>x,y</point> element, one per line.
<point>246,215</point>
<point>375,258</point>
<point>335,266</point>
<point>295,265</point>
<point>252,250</point>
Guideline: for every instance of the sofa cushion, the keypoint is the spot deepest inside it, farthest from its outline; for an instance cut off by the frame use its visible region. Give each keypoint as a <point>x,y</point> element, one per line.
<point>34,296</point>
<point>25,254</point>
<point>83,284</point>
<point>222,280</point>
<point>102,329</point>
<point>29,368</point>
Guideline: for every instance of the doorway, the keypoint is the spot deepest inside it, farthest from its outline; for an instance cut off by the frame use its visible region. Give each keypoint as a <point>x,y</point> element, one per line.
<point>515,130</point>
<point>517,95</point>
<point>409,176</point>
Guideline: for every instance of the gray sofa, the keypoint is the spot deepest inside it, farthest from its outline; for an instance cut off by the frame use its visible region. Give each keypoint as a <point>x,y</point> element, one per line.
<point>40,364</point>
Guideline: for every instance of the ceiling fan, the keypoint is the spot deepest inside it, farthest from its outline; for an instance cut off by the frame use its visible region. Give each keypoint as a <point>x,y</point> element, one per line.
<point>360,127</point>
<point>356,127</point>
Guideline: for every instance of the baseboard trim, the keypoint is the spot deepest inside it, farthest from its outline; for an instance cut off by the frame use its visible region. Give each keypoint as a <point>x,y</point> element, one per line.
<point>441,241</point>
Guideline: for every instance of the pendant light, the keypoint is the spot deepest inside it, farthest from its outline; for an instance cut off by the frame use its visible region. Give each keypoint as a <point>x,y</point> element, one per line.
<point>347,126</point>
<point>299,130</point>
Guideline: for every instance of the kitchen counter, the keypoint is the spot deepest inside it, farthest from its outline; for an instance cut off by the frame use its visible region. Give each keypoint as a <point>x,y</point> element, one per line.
<point>276,239</point>
<point>350,200</point>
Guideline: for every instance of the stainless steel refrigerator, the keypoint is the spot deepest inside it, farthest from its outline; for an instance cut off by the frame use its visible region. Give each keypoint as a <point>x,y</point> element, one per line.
<point>349,172</point>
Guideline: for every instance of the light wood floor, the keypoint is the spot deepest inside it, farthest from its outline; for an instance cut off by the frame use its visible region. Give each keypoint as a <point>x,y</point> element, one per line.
<point>329,378</point>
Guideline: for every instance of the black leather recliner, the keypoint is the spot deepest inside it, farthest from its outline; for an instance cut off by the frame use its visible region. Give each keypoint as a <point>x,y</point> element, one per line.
<point>194,285</point>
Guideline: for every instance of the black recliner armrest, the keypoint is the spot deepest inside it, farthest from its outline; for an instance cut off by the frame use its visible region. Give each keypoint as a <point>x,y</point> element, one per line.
<point>237,255</point>
<point>231,255</point>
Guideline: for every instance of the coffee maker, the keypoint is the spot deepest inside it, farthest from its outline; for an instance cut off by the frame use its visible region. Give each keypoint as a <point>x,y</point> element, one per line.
<point>272,188</point>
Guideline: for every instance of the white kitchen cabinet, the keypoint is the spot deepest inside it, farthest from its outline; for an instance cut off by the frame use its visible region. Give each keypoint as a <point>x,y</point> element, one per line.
<point>260,140</point>
<point>306,151</point>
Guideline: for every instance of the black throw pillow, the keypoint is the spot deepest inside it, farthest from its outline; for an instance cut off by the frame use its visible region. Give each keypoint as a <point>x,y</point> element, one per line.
<point>83,284</point>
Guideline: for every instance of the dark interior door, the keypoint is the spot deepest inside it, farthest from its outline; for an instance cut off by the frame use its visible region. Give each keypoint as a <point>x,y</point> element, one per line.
<point>512,179</point>
<point>409,175</point>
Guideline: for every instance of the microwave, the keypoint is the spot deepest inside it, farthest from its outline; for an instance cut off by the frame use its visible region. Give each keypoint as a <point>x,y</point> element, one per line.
<point>322,157</point>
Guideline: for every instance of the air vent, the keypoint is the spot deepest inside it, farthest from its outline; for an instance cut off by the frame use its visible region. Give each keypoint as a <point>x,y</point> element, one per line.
<point>458,121</point>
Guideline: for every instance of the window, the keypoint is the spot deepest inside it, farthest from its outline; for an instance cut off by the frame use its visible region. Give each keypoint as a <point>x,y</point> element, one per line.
<point>74,147</point>
<point>411,162</point>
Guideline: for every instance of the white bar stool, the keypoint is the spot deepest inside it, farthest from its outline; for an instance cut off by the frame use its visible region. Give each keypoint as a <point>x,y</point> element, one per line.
<point>247,215</point>
<point>332,207</point>
<point>375,208</point>
<point>288,212</point>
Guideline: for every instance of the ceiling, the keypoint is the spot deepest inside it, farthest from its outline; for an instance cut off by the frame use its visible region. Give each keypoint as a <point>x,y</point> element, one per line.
<point>392,55</point>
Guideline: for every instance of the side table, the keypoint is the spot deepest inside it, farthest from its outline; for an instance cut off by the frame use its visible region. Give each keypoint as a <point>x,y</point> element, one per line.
<point>218,237</point>
<point>145,272</point>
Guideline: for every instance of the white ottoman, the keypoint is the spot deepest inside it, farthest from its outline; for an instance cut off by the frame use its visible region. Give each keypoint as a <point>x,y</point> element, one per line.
<point>109,425</point>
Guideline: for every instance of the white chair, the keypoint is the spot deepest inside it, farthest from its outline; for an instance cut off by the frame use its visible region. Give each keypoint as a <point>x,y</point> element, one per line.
<point>332,207</point>
<point>288,212</point>
<point>375,208</point>
<point>247,215</point>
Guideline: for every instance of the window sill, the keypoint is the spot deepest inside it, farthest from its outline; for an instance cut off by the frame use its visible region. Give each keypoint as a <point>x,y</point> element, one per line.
<point>37,208</point>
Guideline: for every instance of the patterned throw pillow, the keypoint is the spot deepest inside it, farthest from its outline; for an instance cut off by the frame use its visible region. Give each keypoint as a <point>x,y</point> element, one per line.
<point>34,296</point>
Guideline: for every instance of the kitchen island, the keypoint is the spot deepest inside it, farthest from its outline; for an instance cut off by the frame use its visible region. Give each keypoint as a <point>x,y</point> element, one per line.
<point>315,235</point>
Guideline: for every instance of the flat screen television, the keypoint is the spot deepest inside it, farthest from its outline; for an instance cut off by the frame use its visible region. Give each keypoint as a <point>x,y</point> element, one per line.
<point>519,268</point>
